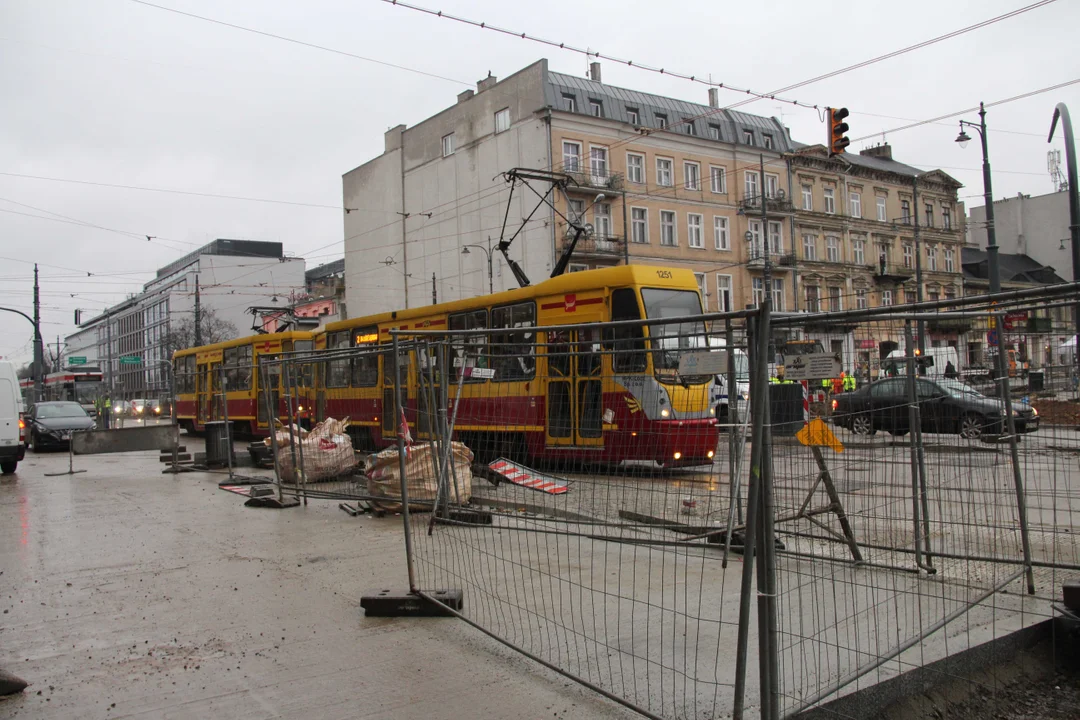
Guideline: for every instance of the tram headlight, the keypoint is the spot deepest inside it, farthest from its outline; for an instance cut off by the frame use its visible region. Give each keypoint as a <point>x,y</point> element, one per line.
<point>665,413</point>
<point>710,454</point>
<point>678,455</point>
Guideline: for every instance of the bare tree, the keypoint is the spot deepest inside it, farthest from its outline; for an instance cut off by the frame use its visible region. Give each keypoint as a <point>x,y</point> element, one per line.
<point>181,333</point>
<point>26,371</point>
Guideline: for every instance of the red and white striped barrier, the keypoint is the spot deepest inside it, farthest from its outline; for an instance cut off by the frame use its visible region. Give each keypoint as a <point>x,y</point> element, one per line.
<point>529,478</point>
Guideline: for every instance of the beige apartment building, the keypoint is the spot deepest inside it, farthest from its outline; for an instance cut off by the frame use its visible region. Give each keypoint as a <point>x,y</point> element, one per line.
<point>863,222</point>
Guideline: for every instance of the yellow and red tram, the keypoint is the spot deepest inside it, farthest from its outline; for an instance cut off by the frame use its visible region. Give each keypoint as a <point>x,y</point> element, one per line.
<point>586,394</point>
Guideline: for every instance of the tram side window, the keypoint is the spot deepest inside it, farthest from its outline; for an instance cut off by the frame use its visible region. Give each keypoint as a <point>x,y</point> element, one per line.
<point>472,347</point>
<point>337,371</point>
<point>184,367</point>
<point>627,343</point>
<point>365,367</point>
<point>513,351</point>
<point>241,372</point>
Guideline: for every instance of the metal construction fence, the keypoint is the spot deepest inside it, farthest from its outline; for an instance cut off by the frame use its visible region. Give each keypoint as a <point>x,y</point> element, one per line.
<point>594,490</point>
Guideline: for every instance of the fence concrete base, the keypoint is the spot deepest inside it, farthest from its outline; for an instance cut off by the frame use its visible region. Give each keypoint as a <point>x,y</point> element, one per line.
<point>96,442</point>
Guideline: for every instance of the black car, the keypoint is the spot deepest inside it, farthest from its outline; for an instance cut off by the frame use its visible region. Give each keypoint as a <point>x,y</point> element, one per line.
<point>946,406</point>
<point>50,424</point>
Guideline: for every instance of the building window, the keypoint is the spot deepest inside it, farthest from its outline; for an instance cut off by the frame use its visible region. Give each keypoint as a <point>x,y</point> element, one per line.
<point>576,267</point>
<point>693,231</point>
<point>632,116</point>
<point>667,228</point>
<point>692,175</point>
<point>855,204</point>
<point>776,238</point>
<point>830,200</point>
<point>689,123</point>
<point>858,252</point>
<point>569,102</point>
<point>946,218</point>
<point>661,121</point>
<point>807,197</point>
<point>832,249</point>
<point>723,293</point>
<point>931,258</point>
<point>777,293</point>
<point>750,185</point>
<point>809,247</point>
<point>502,120</point>
<point>596,108</point>
<point>929,215</point>
<point>718,179</point>
<point>700,277</point>
<point>721,239</point>
<point>860,299</point>
<point>748,137</point>
<point>663,172</point>
<point>448,145</point>
<point>905,211</point>
<point>950,263</point>
<point>835,304</point>
<point>882,216</point>
<point>766,140</point>
<point>577,212</point>
<point>772,186</point>
<point>909,256</point>
<point>933,295</point>
<point>602,220</point>
<point>756,250</point>
<point>639,225</point>
<point>813,298</point>
<point>886,297</point>
<point>714,132</point>
<point>571,156</point>
<point>598,164</point>
<point>635,168</point>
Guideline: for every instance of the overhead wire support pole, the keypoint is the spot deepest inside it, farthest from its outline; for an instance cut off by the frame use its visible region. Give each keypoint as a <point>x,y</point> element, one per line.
<point>39,350</point>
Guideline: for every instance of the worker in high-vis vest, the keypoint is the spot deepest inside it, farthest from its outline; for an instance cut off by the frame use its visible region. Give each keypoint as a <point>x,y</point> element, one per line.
<point>848,382</point>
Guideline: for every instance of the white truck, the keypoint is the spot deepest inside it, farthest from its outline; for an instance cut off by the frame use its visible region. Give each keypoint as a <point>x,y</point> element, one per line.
<point>12,431</point>
<point>742,382</point>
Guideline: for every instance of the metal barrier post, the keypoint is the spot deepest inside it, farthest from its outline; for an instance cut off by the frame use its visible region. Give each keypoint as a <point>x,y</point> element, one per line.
<point>399,409</point>
<point>918,467</point>
<point>734,496</point>
<point>768,642</point>
<point>758,396</point>
<point>287,384</point>
<point>271,419</point>
<point>225,418</point>
<point>1010,428</point>
<point>301,474</point>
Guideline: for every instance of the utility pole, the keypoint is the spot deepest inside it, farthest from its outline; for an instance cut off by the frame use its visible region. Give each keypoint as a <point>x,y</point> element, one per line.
<point>39,349</point>
<point>108,341</point>
<point>767,270</point>
<point>920,341</point>
<point>198,315</point>
<point>57,368</point>
<point>434,293</point>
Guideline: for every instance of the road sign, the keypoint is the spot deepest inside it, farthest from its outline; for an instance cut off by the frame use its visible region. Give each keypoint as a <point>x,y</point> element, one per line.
<point>992,338</point>
<point>130,360</point>
<point>77,360</point>
<point>1014,319</point>
<point>811,367</point>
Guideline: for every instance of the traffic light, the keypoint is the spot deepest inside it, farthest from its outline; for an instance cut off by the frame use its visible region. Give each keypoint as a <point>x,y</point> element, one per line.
<point>838,142</point>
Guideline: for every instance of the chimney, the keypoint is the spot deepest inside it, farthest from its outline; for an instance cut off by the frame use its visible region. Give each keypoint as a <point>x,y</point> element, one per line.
<point>883,151</point>
<point>594,71</point>
<point>482,85</point>
<point>463,96</point>
<point>714,97</point>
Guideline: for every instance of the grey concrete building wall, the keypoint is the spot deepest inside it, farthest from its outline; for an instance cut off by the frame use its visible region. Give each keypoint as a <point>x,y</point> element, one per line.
<point>1034,226</point>
<point>448,199</point>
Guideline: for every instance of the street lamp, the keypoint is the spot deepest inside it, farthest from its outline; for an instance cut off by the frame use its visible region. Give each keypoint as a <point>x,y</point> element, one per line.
<point>988,197</point>
<point>1061,112</point>
<point>487,251</point>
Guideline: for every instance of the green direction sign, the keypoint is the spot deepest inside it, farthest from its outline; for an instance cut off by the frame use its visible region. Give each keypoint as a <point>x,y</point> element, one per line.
<point>77,360</point>
<point>130,360</point>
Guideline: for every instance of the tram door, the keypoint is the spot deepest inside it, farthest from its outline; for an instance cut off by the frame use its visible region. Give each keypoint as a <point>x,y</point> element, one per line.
<point>273,377</point>
<point>575,389</point>
<point>390,420</point>
<point>202,393</point>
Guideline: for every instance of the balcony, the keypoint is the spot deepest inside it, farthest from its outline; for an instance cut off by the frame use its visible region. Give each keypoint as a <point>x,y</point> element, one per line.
<point>893,276</point>
<point>779,205</point>
<point>587,181</point>
<point>609,246</point>
<point>756,258</point>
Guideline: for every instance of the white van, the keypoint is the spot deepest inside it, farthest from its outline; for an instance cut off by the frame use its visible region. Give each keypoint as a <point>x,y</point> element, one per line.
<point>742,381</point>
<point>940,357</point>
<point>12,446</point>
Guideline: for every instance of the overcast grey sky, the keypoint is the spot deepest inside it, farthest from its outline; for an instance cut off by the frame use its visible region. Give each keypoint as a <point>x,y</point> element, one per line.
<point>112,91</point>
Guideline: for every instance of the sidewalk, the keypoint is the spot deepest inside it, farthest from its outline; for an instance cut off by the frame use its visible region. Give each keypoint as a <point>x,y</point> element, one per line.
<point>128,593</point>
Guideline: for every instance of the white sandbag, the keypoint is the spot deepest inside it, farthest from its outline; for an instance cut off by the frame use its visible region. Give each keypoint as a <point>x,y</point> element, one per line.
<point>384,475</point>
